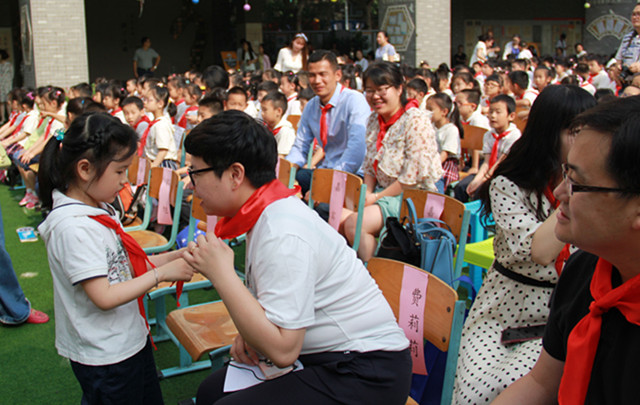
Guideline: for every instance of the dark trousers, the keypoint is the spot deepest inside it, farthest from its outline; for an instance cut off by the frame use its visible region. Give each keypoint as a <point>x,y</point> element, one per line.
<point>132,381</point>
<point>328,378</point>
<point>303,177</point>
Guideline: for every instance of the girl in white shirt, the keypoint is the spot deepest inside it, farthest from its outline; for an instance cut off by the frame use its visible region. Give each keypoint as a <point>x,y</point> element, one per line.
<point>158,142</point>
<point>446,121</point>
<point>294,56</point>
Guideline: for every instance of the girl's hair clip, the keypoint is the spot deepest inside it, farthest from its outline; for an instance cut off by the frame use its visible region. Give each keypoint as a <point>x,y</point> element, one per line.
<point>57,93</point>
<point>59,134</point>
<point>30,96</point>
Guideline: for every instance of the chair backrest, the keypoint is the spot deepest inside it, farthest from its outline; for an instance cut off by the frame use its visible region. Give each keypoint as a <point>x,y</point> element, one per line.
<point>439,305</point>
<point>155,181</point>
<point>453,213</point>
<point>321,185</point>
<point>132,171</point>
<point>286,172</point>
<point>294,120</point>
<point>443,313</point>
<point>472,137</point>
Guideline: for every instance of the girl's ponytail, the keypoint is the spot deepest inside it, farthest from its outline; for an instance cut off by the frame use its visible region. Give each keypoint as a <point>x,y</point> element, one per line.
<point>49,176</point>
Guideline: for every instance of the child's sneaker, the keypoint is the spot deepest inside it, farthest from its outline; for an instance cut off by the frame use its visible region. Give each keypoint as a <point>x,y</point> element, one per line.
<point>27,197</point>
<point>36,316</point>
<point>33,201</point>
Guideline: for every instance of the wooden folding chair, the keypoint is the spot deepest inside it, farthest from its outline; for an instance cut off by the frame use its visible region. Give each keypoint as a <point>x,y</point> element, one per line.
<point>443,313</point>
<point>294,120</point>
<point>150,241</point>
<point>355,191</point>
<point>132,175</point>
<point>472,141</point>
<point>454,214</point>
<point>286,172</point>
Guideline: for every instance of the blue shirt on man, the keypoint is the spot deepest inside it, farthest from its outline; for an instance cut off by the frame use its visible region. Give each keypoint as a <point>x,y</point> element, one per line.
<point>346,122</point>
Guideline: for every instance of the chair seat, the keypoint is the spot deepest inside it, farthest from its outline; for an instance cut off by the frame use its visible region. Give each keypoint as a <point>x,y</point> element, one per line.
<point>147,239</point>
<point>203,328</point>
<point>480,253</point>
<point>411,401</point>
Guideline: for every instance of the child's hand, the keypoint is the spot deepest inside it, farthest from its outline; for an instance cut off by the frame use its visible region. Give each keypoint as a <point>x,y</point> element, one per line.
<point>177,270</point>
<point>192,119</point>
<point>211,256</point>
<point>370,199</point>
<point>473,186</point>
<point>242,352</point>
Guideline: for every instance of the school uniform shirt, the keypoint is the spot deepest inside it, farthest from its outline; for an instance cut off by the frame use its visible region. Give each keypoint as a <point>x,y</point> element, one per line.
<point>588,87</point>
<point>602,81</point>
<point>141,126</point>
<point>119,115</point>
<point>181,107</point>
<point>29,125</point>
<point>251,110</point>
<point>79,249</point>
<point>529,94</point>
<point>448,139</point>
<point>477,120</point>
<point>505,143</point>
<point>293,105</point>
<point>161,137</point>
<point>285,136</point>
<point>299,285</point>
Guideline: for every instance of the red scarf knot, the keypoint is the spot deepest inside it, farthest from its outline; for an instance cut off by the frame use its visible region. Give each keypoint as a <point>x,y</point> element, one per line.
<point>385,125</point>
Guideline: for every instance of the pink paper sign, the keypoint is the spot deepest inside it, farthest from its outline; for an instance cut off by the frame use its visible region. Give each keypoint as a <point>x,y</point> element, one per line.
<point>278,169</point>
<point>142,169</point>
<point>336,202</point>
<point>413,296</point>
<point>212,220</point>
<point>164,205</point>
<point>433,206</point>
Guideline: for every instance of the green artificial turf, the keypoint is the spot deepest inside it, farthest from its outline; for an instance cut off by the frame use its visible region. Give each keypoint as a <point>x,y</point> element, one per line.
<point>31,371</point>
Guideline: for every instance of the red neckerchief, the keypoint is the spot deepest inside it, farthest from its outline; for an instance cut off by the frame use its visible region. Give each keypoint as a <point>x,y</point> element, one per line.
<point>584,337</point>
<point>142,119</point>
<point>494,150</point>
<point>40,122</point>
<point>137,256</point>
<point>48,128</point>
<point>179,102</point>
<point>275,131</point>
<point>324,128</point>
<point>384,126</point>
<point>13,117</point>
<point>249,213</point>
<point>564,253</point>
<point>117,110</point>
<point>293,97</point>
<point>183,120</point>
<point>143,138</point>
<point>591,77</point>
<point>463,122</point>
<point>19,127</point>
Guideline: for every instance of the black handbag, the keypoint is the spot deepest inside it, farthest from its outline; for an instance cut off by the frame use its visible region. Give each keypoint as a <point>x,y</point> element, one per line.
<point>399,242</point>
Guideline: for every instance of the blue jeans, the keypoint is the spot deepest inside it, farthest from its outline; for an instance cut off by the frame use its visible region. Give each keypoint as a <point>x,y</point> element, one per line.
<point>14,307</point>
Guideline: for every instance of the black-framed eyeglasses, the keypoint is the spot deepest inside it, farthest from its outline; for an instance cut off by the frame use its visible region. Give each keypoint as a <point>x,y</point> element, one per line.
<point>579,188</point>
<point>191,172</point>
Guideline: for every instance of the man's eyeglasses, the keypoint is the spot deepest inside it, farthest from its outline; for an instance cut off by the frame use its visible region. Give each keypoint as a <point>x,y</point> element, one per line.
<point>191,172</point>
<point>579,188</point>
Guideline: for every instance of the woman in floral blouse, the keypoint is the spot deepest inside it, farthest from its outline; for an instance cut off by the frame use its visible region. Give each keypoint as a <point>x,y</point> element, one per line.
<point>401,153</point>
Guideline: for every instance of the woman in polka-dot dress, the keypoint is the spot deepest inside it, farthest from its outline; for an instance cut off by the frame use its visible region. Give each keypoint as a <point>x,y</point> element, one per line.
<point>519,195</point>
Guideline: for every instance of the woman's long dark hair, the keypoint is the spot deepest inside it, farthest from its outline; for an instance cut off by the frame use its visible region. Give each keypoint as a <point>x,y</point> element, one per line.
<point>97,137</point>
<point>534,160</point>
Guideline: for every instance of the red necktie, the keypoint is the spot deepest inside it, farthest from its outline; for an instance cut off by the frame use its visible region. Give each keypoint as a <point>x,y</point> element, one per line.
<point>142,119</point>
<point>143,138</point>
<point>324,130</point>
<point>583,339</point>
<point>183,120</point>
<point>137,256</point>
<point>249,213</point>
<point>494,150</point>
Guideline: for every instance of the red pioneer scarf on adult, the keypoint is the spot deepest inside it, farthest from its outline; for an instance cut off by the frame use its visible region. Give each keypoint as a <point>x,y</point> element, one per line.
<point>494,150</point>
<point>564,253</point>
<point>247,216</point>
<point>384,126</point>
<point>143,138</point>
<point>583,339</point>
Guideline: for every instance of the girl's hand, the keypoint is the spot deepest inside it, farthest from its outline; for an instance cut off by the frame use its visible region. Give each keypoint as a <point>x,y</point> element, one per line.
<point>242,352</point>
<point>177,270</point>
<point>370,199</point>
<point>211,256</point>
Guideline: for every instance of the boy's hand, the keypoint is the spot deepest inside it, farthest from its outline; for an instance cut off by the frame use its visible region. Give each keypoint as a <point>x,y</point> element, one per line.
<point>211,256</point>
<point>473,186</point>
<point>177,270</point>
